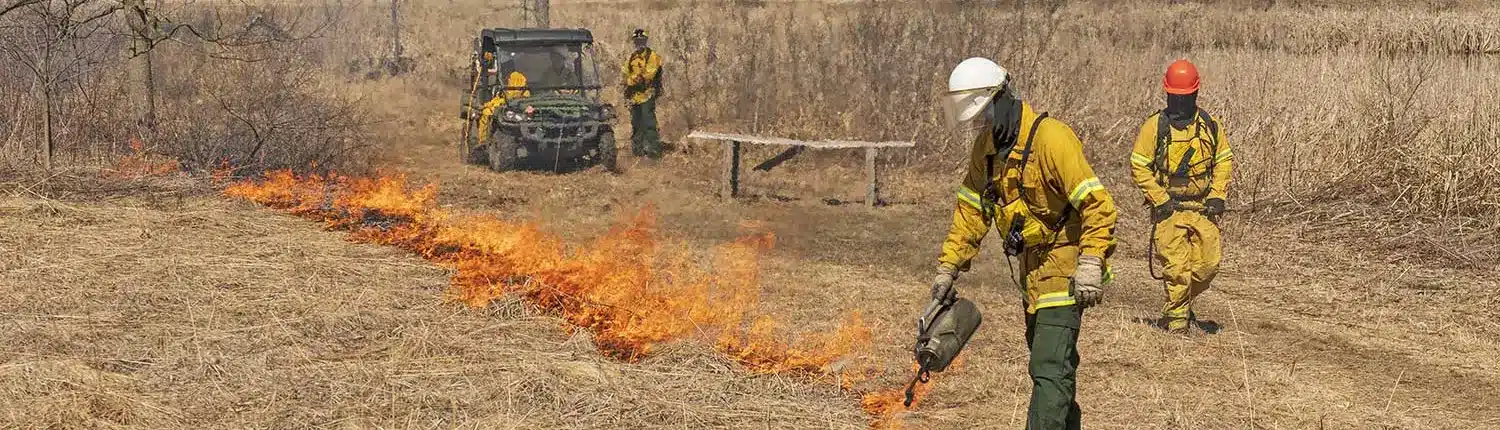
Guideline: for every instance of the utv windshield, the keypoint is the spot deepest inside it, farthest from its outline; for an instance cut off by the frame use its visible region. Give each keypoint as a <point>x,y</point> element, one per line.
<point>551,69</point>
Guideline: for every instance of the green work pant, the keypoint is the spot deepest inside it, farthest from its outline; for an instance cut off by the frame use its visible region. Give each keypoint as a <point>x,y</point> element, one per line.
<point>1052,337</point>
<point>644,140</point>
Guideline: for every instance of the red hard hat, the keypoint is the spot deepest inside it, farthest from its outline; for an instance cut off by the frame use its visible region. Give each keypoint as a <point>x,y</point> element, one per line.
<point>1181,79</point>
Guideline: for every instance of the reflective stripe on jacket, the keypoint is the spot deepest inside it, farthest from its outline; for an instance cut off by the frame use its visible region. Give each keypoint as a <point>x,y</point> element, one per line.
<point>1056,177</point>
<point>1179,173</point>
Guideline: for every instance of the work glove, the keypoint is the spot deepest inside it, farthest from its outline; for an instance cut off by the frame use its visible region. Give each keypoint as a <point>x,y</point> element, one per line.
<point>1213,207</point>
<point>1163,211</point>
<point>942,284</point>
<point>1087,280</point>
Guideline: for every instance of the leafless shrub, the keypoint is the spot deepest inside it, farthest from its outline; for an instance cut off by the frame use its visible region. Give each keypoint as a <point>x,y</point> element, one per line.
<point>262,116</point>
<point>232,77</point>
<point>54,45</point>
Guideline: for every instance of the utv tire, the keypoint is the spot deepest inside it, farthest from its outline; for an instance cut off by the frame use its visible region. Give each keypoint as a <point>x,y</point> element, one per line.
<point>608,153</point>
<point>502,149</point>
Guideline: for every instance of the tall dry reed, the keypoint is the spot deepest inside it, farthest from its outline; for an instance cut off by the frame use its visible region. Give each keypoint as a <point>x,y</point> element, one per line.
<point>1382,111</point>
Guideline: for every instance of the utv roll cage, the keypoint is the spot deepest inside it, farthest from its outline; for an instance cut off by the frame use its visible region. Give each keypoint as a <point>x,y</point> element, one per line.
<point>491,39</point>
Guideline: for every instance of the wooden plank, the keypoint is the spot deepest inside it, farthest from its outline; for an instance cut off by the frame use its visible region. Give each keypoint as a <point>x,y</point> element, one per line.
<point>872,194</point>
<point>731,170</point>
<point>822,144</point>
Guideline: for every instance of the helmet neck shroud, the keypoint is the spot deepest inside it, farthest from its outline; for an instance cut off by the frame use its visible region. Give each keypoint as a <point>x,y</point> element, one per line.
<point>1004,117</point>
<point>1181,109</point>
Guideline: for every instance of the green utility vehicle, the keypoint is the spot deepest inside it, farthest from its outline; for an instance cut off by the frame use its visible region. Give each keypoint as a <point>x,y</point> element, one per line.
<point>555,120</point>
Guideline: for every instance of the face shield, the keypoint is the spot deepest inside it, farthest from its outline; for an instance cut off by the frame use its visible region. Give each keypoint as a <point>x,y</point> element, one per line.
<point>963,107</point>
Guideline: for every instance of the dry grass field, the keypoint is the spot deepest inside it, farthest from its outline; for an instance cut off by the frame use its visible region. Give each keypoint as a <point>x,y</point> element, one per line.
<point>1358,289</point>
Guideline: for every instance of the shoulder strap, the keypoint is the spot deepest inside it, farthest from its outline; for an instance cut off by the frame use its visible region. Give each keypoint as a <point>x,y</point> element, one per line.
<point>656,80</point>
<point>1026,150</point>
<point>1163,134</point>
<point>1213,128</point>
<point>989,160</point>
<point>1213,139</point>
<point>1062,219</point>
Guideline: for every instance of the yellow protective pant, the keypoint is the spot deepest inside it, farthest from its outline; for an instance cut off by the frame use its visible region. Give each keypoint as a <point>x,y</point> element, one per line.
<point>1187,247</point>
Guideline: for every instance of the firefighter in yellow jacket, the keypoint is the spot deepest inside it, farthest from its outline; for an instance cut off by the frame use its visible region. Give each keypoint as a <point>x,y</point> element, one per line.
<point>642,78</point>
<point>1182,162</point>
<point>515,87</point>
<point>1027,177</point>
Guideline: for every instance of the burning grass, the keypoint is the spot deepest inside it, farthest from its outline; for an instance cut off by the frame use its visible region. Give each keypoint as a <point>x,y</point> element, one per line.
<point>884,405</point>
<point>141,163</point>
<point>632,292</point>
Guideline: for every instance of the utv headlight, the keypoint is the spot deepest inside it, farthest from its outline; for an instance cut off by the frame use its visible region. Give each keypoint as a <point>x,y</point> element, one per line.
<point>513,116</point>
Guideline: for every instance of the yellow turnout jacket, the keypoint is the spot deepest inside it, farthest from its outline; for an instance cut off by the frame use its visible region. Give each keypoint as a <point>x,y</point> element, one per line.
<point>1193,165</point>
<point>516,79</point>
<point>1055,186</point>
<point>642,75</point>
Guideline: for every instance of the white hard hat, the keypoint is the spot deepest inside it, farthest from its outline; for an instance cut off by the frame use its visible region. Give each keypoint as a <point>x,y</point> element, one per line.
<point>971,85</point>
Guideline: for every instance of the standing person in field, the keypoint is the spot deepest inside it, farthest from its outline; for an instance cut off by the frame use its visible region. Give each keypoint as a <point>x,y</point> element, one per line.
<point>1182,162</point>
<point>1028,178</point>
<point>642,86</point>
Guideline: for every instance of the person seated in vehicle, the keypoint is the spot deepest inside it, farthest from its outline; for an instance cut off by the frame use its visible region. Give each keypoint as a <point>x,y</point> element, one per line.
<point>515,88</point>
<point>563,68</point>
<point>515,82</point>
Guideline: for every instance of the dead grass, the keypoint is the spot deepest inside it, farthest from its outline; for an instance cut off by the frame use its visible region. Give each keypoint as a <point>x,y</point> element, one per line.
<point>1356,291</point>
<point>207,314</point>
<point>1328,104</point>
<point>201,313</point>
<point>1325,106</point>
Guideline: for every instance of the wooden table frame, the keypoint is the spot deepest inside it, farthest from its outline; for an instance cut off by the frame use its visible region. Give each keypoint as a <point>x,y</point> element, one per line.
<point>732,142</point>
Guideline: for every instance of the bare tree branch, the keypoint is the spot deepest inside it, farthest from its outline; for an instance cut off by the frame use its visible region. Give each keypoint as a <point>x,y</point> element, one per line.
<point>17,5</point>
<point>98,15</point>
<point>254,131</point>
<point>261,28</point>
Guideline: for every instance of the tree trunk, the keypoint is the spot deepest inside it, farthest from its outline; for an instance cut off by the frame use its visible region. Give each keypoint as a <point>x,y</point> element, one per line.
<point>47,149</point>
<point>396,32</point>
<point>538,13</point>
<point>543,13</point>
<point>142,85</point>
<point>44,78</point>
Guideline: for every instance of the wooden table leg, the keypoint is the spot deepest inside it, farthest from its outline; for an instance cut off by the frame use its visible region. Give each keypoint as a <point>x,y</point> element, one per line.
<point>731,170</point>
<point>872,192</point>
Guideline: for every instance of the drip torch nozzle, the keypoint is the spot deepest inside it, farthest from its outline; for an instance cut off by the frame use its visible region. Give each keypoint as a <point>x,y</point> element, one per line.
<point>923,376</point>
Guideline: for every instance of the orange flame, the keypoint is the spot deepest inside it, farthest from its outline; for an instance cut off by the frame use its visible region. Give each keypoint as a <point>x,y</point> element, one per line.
<point>222,173</point>
<point>631,292</point>
<point>885,405</point>
<point>761,351</point>
<point>142,163</point>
